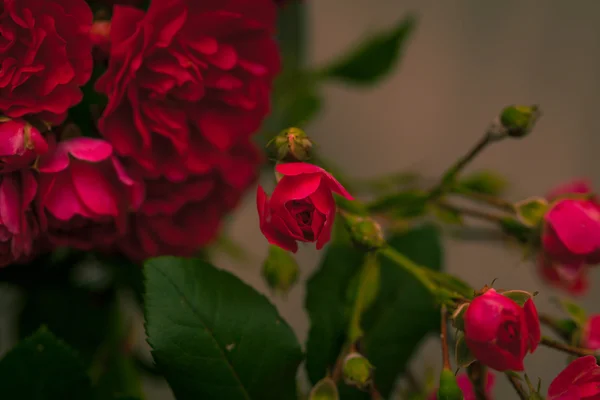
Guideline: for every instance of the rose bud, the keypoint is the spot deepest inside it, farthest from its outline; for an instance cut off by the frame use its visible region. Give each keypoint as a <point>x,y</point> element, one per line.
<point>465,385</point>
<point>579,380</point>
<point>325,389</point>
<point>449,389</point>
<point>591,333</point>
<point>357,371</point>
<point>570,275</point>
<point>571,232</point>
<point>280,269</point>
<point>499,332</point>
<point>292,145</point>
<point>301,208</point>
<point>519,120</point>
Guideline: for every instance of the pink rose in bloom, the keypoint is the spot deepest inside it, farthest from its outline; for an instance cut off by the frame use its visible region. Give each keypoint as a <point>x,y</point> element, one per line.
<point>499,332</point>
<point>187,81</point>
<point>466,387</point>
<point>301,208</point>
<point>20,146</point>
<point>591,333</point>
<point>45,49</point>
<point>580,380</point>
<point>569,272</point>
<point>177,218</point>
<point>85,194</point>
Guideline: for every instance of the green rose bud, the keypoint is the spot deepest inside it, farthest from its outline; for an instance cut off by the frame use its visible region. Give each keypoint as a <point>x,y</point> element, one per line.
<point>280,269</point>
<point>448,389</point>
<point>291,145</point>
<point>357,371</point>
<point>325,389</point>
<point>364,231</point>
<point>519,120</point>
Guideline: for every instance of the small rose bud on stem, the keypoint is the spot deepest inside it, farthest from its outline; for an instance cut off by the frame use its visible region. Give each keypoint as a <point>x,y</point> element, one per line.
<point>448,388</point>
<point>325,389</point>
<point>364,231</point>
<point>280,269</point>
<point>357,371</point>
<point>291,145</point>
<point>519,120</point>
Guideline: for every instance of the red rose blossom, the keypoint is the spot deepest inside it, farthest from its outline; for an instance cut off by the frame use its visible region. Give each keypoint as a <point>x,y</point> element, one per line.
<point>85,194</point>
<point>20,146</point>
<point>559,263</point>
<point>499,332</point>
<point>466,387</point>
<point>177,218</point>
<point>580,380</point>
<point>301,208</point>
<point>45,49</point>
<point>187,81</point>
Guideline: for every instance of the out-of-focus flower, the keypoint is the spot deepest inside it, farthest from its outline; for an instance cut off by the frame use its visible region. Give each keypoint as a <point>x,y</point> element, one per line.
<point>301,208</point>
<point>85,194</point>
<point>591,333</point>
<point>46,56</point>
<point>562,262</point>
<point>580,380</point>
<point>499,332</point>
<point>20,145</point>
<point>465,385</point>
<point>187,81</point>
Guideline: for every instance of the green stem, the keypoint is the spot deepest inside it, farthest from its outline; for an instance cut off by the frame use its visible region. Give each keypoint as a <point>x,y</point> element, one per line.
<point>444,338</point>
<point>575,351</point>
<point>411,267</point>
<point>555,325</point>
<point>517,386</point>
<point>448,179</point>
<point>486,199</point>
<point>361,297</point>
<point>469,212</point>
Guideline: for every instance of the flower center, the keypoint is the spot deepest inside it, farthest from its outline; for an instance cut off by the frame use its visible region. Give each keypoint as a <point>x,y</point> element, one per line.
<point>302,211</point>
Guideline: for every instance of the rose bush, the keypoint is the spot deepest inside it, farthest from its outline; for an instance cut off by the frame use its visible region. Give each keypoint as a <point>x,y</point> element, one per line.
<point>46,56</point>
<point>301,208</point>
<point>499,332</point>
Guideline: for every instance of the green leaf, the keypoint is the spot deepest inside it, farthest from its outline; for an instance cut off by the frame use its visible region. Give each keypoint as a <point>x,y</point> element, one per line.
<point>327,304</point>
<point>407,204</point>
<point>43,367</point>
<point>575,311</point>
<point>531,211</point>
<point>215,337</point>
<point>484,182</point>
<point>404,313</point>
<point>75,315</point>
<point>325,389</point>
<point>464,357</point>
<point>373,59</point>
<point>519,296</point>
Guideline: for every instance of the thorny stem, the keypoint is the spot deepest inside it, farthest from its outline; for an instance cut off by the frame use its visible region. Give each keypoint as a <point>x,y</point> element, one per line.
<point>477,373</point>
<point>444,337</point>
<point>518,387</point>
<point>576,351</point>
<point>448,178</point>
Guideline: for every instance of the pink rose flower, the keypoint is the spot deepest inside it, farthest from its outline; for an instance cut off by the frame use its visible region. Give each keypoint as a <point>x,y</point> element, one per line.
<point>499,332</point>
<point>301,208</point>
<point>557,265</point>
<point>466,387</point>
<point>85,194</point>
<point>580,380</point>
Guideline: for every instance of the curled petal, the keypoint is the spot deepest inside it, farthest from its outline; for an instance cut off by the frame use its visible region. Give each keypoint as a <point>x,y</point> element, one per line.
<point>576,371</point>
<point>533,325</point>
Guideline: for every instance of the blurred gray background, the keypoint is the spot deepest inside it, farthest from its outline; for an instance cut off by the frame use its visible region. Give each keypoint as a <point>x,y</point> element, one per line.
<point>466,60</point>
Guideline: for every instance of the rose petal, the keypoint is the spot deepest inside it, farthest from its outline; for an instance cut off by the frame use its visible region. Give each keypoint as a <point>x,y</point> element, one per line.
<point>294,188</point>
<point>577,225</point>
<point>568,376</point>
<point>533,325</point>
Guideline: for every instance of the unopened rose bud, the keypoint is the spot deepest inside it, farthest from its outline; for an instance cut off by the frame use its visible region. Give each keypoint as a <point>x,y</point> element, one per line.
<point>325,389</point>
<point>364,231</point>
<point>280,269</point>
<point>449,389</point>
<point>357,371</point>
<point>291,145</point>
<point>519,120</point>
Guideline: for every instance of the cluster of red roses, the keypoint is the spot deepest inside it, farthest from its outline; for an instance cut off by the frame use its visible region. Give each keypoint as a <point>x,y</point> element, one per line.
<point>187,83</point>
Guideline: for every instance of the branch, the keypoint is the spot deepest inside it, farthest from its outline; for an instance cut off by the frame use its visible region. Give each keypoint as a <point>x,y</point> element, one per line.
<point>518,387</point>
<point>444,337</point>
<point>575,351</point>
<point>469,212</point>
